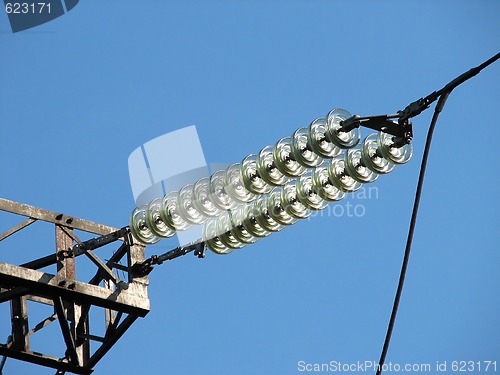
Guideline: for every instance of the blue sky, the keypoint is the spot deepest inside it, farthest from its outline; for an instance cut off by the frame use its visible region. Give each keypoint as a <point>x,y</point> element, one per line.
<point>80,93</point>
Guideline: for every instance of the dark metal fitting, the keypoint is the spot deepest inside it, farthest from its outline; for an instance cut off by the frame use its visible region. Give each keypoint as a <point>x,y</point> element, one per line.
<point>199,250</point>
<point>63,254</point>
<point>155,260</point>
<point>349,124</point>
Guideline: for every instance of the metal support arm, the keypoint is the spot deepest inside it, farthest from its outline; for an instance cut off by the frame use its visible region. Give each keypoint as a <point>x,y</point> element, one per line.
<point>402,130</point>
<point>144,268</point>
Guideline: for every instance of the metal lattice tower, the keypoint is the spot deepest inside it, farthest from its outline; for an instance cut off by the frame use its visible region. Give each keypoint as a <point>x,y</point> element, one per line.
<point>123,301</point>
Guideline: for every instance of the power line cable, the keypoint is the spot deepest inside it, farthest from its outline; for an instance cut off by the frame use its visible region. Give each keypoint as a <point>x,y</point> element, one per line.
<point>443,96</point>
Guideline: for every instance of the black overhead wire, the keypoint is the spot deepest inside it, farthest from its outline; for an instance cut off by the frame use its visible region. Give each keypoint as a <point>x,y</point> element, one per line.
<point>443,96</point>
<point>410,235</point>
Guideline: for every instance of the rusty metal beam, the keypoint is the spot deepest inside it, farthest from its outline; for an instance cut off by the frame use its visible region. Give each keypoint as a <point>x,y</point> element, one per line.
<point>16,228</point>
<point>4,358</point>
<point>64,241</point>
<point>128,297</point>
<point>41,262</point>
<point>67,233</point>
<point>105,270</point>
<point>13,293</point>
<point>66,332</point>
<point>44,300</point>
<point>104,348</point>
<point>54,217</point>
<point>82,325</point>
<point>20,328</point>
<point>119,254</point>
<point>43,323</point>
<point>92,337</point>
<point>113,324</point>
<point>83,344</point>
<point>44,360</point>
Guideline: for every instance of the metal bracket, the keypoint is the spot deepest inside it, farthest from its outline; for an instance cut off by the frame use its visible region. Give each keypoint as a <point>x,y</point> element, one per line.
<point>144,268</point>
<point>199,250</point>
<point>401,130</point>
<point>95,243</point>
